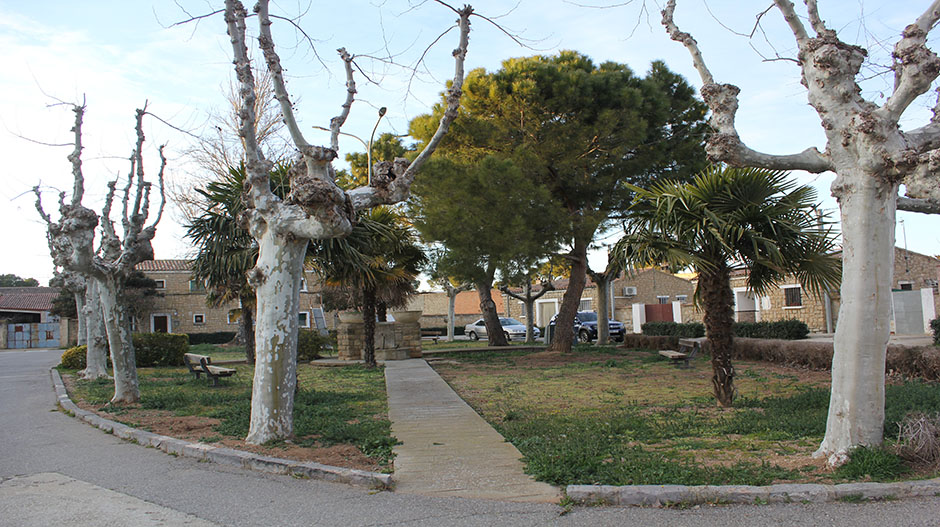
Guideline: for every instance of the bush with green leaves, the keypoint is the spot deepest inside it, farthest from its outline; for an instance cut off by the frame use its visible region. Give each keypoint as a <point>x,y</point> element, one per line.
<point>310,343</point>
<point>674,329</point>
<point>218,337</point>
<point>935,327</point>
<point>74,358</point>
<point>160,349</point>
<point>780,329</point>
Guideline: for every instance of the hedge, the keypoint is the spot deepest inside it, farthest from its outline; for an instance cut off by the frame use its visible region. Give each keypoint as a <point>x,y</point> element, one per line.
<point>160,349</point>
<point>310,343</point>
<point>791,329</point>
<point>674,329</point>
<point>910,362</point>
<point>218,337</point>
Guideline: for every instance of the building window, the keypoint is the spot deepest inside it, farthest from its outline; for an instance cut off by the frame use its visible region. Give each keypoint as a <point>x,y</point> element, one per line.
<point>196,286</point>
<point>663,299</point>
<point>234,316</point>
<point>906,286</point>
<point>303,284</point>
<point>585,305</point>
<point>159,284</point>
<point>303,319</point>
<point>792,296</point>
<point>682,298</point>
<point>199,319</point>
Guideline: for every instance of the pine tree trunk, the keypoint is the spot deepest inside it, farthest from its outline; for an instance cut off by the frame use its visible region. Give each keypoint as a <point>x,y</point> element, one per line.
<point>564,322</point>
<point>118,323</point>
<point>494,330</point>
<point>718,303</point>
<point>276,279</point>
<point>856,406</point>
<point>603,309</point>
<point>96,338</point>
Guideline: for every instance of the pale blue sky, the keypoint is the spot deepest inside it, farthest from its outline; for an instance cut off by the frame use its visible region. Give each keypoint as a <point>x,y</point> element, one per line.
<point>119,54</point>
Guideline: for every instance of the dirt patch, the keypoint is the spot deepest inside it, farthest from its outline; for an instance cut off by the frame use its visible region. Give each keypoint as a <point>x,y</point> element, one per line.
<point>202,429</point>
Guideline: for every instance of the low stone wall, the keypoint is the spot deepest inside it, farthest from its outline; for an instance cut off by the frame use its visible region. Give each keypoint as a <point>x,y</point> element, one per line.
<point>393,340</point>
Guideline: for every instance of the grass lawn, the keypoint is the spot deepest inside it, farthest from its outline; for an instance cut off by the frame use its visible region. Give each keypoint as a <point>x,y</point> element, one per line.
<point>340,413</point>
<point>430,345</point>
<point>603,415</point>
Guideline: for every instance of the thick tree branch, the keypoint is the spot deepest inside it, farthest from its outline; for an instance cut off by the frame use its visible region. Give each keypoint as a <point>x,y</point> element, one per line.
<point>396,184</point>
<point>337,122</point>
<point>915,65</point>
<point>78,188</point>
<point>924,206</point>
<point>793,20</point>
<point>266,41</point>
<point>725,144</point>
<point>257,166</point>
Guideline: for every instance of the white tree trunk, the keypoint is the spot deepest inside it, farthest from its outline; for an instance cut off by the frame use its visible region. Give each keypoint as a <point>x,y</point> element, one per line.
<point>856,406</point>
<point>451,302</point>
<point>117,322</point>
<point>80,316</point>
<point>96,364</point>
<point>276,278</point>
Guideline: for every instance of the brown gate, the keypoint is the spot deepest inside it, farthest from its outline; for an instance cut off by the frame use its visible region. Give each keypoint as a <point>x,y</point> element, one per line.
<point>659,312</point>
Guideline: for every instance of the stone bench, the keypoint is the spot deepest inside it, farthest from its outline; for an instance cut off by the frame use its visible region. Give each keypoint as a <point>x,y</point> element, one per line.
<point>199,364</point>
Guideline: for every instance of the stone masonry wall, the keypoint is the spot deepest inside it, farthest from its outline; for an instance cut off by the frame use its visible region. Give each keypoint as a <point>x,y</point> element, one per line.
<point>393,340</point>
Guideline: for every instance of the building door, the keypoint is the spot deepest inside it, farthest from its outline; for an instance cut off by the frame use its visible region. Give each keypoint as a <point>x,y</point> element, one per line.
<point>659,312</point>
<point>908,312</point>
<point>545,311</point>
<point>160,323</point>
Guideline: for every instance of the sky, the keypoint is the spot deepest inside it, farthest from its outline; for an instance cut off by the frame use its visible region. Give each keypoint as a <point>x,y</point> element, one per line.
<point>115,56</point>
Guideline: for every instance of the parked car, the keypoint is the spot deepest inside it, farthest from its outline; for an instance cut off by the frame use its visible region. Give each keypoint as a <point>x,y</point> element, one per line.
<point>512,328</point>
<point>585,327</point>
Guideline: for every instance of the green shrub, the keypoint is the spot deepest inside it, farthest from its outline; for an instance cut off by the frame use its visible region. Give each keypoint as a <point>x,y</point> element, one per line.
<point>310,343</point>
<point>674,329</point>
<point>74,358</point>
<point>219,337</point>
<point>935,327</point>
<point>160,349</point>
<point>876,464</point>
<point>781,329</point>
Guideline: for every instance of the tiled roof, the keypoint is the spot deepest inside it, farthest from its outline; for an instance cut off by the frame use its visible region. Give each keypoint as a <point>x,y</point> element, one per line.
<point>164,265</point>
<point>27,298</point>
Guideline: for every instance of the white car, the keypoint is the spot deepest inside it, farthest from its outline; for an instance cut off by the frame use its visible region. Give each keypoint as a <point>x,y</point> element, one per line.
<point>512,328</point>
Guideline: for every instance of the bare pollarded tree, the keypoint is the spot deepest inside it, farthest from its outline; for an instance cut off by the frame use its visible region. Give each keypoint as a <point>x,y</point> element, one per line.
<point>77,225</point>
<point>871,156</point>
<point>107,267</point>
<point>315,209</point>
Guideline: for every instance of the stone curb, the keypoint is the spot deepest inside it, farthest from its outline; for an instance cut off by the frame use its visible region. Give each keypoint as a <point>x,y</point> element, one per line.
<point>661,495</point>
<point>221,455</point>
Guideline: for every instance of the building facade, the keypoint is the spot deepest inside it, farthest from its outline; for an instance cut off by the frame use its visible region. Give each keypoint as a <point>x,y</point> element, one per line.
<point>179,305</point>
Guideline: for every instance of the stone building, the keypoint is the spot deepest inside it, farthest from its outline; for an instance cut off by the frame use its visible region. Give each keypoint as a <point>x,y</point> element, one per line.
<point>433,306</point>
<point>180,303</point>
<point>915,298</point>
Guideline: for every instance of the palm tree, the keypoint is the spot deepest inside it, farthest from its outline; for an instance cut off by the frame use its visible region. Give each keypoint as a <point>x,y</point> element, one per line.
<point>225,252</point>
<point>727,216</point>
<point>378,263</point>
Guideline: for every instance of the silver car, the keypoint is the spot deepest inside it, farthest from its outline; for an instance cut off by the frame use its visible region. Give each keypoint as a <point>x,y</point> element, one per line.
<point>512,328</point>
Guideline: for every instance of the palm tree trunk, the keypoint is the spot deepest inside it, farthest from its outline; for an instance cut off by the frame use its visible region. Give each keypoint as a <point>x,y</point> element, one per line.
<point>719,321</point>
<point>368,321</point>
<point>248,328</point>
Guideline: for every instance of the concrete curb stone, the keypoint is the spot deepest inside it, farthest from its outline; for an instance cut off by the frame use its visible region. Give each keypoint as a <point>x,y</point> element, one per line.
<point>220,455</point>
<point>659,495</point>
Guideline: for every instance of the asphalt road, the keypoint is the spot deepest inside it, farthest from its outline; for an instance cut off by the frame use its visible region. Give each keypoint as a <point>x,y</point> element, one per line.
<point>57,470</point>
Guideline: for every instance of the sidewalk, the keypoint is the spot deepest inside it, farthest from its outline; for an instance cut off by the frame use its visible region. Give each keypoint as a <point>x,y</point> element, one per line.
<point>447,449</point>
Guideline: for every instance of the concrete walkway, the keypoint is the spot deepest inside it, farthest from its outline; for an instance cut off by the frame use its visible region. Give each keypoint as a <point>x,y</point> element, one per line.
<point>447,449</point>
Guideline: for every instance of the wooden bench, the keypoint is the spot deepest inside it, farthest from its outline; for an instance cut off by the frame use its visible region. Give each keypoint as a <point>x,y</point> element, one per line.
<point>688,349</point>
<point>199,364</point>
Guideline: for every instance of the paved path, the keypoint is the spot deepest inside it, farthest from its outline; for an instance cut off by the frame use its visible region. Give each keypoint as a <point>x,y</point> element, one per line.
<point>36,441</point>
<point>447,449</point>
